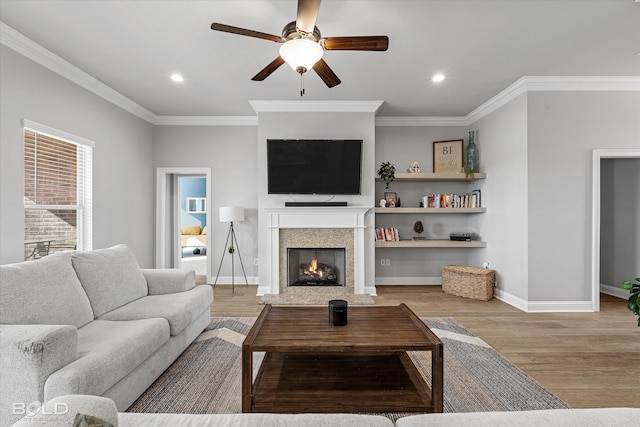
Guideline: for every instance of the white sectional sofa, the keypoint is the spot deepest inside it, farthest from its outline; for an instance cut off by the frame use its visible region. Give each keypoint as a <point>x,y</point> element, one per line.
<point>61,411</point>
<point>92,323</point>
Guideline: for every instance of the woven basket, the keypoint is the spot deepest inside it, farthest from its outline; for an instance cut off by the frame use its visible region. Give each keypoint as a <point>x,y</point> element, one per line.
<point>469,282</point>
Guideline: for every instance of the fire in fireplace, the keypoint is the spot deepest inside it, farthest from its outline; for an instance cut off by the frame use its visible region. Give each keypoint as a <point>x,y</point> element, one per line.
<point>316,266</point>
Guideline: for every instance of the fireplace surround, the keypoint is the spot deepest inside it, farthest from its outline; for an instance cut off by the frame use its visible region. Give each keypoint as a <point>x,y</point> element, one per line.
<point>317,228</point>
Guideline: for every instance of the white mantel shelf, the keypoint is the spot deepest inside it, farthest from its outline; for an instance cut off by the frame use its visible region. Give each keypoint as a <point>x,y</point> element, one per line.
<point>317,217</point>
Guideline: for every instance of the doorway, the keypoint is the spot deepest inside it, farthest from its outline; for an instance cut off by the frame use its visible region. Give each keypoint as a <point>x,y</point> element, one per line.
<point>183,218</point>
<point>597,221</point>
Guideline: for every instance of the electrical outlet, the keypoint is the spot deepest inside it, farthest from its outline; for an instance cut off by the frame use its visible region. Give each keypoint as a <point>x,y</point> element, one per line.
<point>387,262</point>
<point>255,261</point>
<point>486,264</point>
<point>382,262</point>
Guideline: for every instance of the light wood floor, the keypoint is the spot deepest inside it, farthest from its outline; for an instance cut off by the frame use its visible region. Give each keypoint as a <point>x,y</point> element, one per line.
<point>586,359</point>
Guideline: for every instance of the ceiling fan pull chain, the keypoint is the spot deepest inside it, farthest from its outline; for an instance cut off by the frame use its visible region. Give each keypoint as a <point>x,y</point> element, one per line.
<point>301,84</point>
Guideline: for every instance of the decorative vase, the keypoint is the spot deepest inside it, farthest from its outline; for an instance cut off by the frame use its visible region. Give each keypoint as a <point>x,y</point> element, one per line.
<point>473,156</point>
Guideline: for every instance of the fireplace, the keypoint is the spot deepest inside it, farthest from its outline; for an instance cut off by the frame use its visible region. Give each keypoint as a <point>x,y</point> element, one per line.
<point>316,266</point>
<point>312,229</point>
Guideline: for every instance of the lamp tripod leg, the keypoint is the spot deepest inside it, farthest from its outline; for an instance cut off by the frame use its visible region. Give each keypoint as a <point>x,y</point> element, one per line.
<point>235,242</point>
<point>223,252</point>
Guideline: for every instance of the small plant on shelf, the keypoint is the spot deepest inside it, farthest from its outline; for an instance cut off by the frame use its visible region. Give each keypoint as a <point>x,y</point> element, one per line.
<point>634,299</point>
<point>387,173</point>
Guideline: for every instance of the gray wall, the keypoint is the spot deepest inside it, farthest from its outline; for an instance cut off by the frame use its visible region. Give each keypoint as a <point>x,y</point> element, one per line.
<point>620,221</point>
<point>123,208</point>
<point>232,154</point>
<point>563,129</point>
<point>503,156</point>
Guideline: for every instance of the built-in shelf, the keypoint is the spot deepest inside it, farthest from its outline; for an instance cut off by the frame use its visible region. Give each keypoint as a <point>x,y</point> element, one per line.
<point>429,210</point>
<point>441,176</point>
<point>432,244</point>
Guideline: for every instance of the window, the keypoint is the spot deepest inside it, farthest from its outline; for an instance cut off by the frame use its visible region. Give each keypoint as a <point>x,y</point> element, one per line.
<point>57,191</point>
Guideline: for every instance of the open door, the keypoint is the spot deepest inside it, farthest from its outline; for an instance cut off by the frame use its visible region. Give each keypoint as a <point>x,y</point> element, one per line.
<point>171,215</point>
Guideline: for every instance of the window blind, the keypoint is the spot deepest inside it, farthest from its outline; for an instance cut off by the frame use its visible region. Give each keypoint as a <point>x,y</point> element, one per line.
<point>57,192</point>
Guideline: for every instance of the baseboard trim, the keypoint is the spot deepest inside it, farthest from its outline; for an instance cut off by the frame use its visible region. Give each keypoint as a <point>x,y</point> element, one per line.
<point>614,291</point>
<point>239,281</point>
<point>512,300</point>
<point>560,307</point>
<point>544,306</point>
<point>412,281</point>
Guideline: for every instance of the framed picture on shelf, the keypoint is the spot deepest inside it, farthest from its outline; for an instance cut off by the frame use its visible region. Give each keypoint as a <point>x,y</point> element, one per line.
<point>391,198</point>
<point>447,156</point>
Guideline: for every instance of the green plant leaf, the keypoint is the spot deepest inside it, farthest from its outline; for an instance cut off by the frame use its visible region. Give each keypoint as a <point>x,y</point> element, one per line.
<point>626,285</point>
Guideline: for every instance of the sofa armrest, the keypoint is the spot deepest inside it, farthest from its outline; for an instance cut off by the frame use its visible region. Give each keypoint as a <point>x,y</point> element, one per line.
<point>28,355</point>
<point>161,281</point>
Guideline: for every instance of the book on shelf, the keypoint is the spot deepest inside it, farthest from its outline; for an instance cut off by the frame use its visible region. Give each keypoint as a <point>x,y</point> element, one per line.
<point>467,200</point>
<point>387,234</point>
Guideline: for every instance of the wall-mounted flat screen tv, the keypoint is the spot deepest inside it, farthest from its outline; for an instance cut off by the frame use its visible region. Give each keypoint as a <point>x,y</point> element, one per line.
<point>314,166</point>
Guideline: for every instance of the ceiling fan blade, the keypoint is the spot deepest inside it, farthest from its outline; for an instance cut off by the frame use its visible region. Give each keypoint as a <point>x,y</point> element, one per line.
<point>244,32</point>
<point>307,15</point>
<point>356,43</point>
<point>326,73</point>
<point>266,71</point>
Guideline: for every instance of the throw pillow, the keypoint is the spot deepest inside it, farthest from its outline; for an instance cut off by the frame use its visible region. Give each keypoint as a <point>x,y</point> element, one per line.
<point>83,420</point>
<point>191,230</point>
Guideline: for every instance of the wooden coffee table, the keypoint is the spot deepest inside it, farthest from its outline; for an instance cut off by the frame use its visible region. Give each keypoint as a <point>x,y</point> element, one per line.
<point>312,366</point>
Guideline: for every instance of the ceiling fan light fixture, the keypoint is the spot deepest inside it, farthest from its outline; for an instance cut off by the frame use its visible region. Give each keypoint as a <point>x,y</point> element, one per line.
<point>301,54</point>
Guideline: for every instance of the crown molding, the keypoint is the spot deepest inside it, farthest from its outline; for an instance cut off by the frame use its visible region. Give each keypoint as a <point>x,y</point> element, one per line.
<point>206,121</point>
<point>32,50</point>
<point>406,121</point>
<point>554,84</point>
<point>37,53</point>
<point>315,106</point>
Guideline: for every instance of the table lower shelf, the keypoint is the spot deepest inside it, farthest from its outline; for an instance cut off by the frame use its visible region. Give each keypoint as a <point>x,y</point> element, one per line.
<point>299,383</point>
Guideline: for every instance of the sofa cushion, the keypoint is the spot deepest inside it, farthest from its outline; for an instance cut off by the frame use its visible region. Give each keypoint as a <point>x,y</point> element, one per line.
<point>128,419</point>
<point>179,309</point>
<point>44,291</point>
<point>111,277</point>
<point>108,351</point>
<point>591,417</point>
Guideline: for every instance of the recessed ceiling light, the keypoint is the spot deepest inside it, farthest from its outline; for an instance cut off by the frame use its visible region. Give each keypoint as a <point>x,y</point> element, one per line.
<point>437,78</point>
<point>177,78</point>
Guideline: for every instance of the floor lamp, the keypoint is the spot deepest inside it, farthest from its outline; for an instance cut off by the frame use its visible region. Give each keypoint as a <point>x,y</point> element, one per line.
<point>230,214</point>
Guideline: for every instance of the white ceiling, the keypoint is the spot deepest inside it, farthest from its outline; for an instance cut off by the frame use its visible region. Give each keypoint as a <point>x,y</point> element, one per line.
<point>482,46</point>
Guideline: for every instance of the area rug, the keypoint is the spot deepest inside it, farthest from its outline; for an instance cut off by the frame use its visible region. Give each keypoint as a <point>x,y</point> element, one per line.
<point>206,378</point>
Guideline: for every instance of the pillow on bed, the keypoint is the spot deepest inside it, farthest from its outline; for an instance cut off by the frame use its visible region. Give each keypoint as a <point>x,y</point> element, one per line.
<point>204,230</point>
<point>190,230</point>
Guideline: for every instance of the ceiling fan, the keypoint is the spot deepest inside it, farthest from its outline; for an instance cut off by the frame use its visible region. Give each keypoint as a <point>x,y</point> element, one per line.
<point>302,44</point>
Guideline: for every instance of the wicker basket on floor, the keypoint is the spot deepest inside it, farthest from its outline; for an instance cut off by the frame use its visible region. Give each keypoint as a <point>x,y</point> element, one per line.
<point>470,282</point>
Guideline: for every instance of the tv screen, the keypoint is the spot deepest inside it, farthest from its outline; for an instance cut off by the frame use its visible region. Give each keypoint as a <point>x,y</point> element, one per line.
<point>314,166</point>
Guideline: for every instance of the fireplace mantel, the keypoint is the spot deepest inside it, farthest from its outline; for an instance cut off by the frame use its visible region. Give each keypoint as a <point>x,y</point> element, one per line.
<point>349,217</point>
